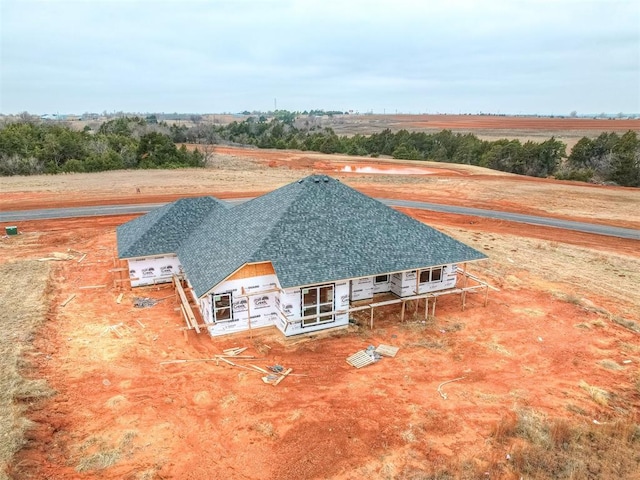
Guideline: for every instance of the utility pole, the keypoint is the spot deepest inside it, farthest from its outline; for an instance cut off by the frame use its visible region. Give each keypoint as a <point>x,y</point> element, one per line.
<point>275,104</point>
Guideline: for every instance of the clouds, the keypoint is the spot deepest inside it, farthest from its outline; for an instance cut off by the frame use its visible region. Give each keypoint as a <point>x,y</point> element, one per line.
<point>212,56</point>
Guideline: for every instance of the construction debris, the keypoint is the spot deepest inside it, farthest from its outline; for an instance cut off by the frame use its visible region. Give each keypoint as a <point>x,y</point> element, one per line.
<point>270,379</point>
<point>144,302</point>
<point>232,352</point>
<point>387,350</point>
<point>71,297</point>
<point>442,394</point>
<point>286,372</point>
<point>118,329</point>
<point>371,355</point>
<point>275,378</point>
<point>360,359</point>
<point>371,351</point>
<point>273,375</point>
<point>259,369</point>
<point>57,256</point>
<point>119,299</point>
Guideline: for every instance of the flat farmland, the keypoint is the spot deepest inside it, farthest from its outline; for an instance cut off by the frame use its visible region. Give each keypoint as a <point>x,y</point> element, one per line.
<point>487,127</point>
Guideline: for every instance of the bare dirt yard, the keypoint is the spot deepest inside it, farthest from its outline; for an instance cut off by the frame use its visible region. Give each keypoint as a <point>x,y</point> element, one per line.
<point>546,380</point>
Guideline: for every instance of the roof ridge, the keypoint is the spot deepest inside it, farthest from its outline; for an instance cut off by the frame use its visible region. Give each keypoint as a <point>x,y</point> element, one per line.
<point>147,226</point>
<point>171,207</point>
<point>283,212</point>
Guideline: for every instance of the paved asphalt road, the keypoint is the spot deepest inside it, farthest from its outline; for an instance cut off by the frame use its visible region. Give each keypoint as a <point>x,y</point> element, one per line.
<point>50,213</point>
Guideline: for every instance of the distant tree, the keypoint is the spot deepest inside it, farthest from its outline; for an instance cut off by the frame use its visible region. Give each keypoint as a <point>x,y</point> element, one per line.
<point>546,159</point>
<point>625,164</point>
<point>405,152</point>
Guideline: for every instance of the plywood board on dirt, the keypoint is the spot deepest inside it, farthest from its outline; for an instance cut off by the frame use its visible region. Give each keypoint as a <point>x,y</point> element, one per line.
<point>360,359</point>
<point>387,350</point>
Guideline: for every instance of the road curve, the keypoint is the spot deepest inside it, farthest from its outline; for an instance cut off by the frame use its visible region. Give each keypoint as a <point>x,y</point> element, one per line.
<point>72,212</point>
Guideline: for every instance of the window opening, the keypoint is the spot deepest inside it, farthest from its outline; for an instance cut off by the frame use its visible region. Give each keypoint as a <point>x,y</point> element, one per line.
<point>317,301</point>
<point>222,307</point>
<point>431,275</point>
<point>381,279</point>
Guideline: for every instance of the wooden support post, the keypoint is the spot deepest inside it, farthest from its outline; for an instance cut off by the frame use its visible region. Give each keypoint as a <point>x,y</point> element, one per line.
<point>466,277</point>
<point>248,315</point>
<point>417,288</point>
<point>433,311</point>
<point>402,311</point>
<point>426,308</point>
<point>371,317</point>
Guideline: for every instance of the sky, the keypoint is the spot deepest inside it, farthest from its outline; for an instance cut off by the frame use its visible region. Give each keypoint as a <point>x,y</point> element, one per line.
<point>381,56</point>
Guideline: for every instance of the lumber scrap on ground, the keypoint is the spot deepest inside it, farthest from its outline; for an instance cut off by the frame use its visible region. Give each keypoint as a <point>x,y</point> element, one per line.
<point>284,374</point>
<point>71,297</point>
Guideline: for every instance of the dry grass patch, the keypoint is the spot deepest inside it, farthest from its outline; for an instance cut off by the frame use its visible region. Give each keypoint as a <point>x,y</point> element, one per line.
<point>23,296</point>
<point>584,272</point>
<point>630,324</point>
<point>610,364</point>
<point>544,448</point>
<point>228,401</point>
<point>498,348</point>
<point>102,456</point>
<point>265,428</point>
<point>599,395</point>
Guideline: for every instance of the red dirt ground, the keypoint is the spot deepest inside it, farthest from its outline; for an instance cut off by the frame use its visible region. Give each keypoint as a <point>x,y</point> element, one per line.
<point>201,420</point>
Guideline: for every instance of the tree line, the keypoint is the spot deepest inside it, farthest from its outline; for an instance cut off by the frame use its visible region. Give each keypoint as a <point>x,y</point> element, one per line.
<point>30,147</point>
<point>608,158</point>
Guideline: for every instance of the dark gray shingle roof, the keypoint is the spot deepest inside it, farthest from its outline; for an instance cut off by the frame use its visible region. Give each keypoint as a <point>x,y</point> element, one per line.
<point>163,229</point>
<point>315,230</point>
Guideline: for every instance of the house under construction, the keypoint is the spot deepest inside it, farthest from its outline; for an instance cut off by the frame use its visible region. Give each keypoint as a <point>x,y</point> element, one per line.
<point>301,257</point>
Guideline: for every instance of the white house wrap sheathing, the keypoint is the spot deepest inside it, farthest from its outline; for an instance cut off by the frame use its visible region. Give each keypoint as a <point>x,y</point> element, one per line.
<point>362,288</point>
<point>253,297</point>
<point>153,270</point>
<point>404,284</point>
<point>382,286</point>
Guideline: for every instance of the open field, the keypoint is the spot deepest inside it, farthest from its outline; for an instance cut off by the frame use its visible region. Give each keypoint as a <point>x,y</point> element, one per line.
<point>487,127</point>
<point>548,384</point>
